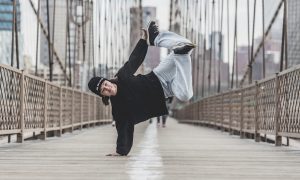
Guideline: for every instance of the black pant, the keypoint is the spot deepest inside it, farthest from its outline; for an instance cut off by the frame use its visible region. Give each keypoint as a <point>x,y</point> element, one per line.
<point>164,119</point>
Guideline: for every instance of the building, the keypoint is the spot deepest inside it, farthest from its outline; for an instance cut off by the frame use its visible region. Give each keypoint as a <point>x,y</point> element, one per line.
<point>58,22</point>
<point>293,39</point>
<point>272,58</point>
<point>6,27</point>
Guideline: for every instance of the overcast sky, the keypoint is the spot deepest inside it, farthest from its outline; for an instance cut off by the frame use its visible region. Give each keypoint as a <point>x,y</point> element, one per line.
<point>162,10</point>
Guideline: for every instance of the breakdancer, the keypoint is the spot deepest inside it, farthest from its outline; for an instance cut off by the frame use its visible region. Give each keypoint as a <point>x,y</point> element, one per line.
<point>136,98</point>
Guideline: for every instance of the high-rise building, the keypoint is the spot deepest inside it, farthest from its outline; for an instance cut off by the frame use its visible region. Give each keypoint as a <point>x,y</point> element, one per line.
<point>6,27</point>
<point>293,32</point>
<point>80,37</point>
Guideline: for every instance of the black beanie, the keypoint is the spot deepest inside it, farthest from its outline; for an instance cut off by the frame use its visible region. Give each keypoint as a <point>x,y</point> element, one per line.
<point>95,84</point>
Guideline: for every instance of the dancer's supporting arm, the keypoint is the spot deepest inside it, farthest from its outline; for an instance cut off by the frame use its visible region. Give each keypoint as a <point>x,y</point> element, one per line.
<point>125,138</point>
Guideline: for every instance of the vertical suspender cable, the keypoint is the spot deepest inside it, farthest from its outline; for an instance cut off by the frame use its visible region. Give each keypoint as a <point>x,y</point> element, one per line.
<point>112,53</point>
<point>89,37</point>
<point>141,13</point>
<point>53,30</point>
<point>92,40</point>
<point>171,15</point>
<point>13,34</point>
<point>99,38</point>
<point>69,43</point>
<point>37,38</point>
<point>282,59</point>
<point>83,15</point>
<point>214,34</point>
<point>204,49</point>
<point>16,34</point>
<point>66,44</point>
<point>49,42</point>
<point>234,47</point>
<point>285,33</point>
<point>248,19</point>
<point>263,30</point>
<point>252,48</point>
<point>199,46</point>
<point>228,44</point>
<point>220,47</point>
<point>211,45</point>
<point>74,47</point>
<point>107,40</point>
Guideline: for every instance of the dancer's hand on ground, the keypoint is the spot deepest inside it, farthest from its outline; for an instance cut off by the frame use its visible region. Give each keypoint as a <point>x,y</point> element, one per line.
<point>114,154</point>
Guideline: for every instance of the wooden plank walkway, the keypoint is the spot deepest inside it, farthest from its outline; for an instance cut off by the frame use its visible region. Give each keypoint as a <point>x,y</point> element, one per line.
<point>179,151</point>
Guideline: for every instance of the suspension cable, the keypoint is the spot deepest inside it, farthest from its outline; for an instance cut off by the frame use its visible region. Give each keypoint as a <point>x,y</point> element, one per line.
<point>198,49</point>
<point>263,30</point>
<point>69,43</point>
<point>285,33</point>
<point>204,48</point>
<point>211,45</point>
<point>83,26</point>
<point>220,45</point>
<point>16,33</point>
<point>228,66</point>
<point>49,41</point>
<point>53,33</point>
<point>253,31</point>
<point>45,32</point>
<point>37,38</point>
<point>234,48</point>
<point>13,34</point>
<point>248,28</point>
<point>282,56</point>
<point>260,45</point>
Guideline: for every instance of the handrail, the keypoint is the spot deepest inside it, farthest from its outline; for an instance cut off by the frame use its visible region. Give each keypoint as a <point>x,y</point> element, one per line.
<point>269,106</point>
<point>30,104</point>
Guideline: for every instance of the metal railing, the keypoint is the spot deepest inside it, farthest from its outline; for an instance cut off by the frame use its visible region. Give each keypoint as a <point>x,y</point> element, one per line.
<point>269,106</point>
<point>32,104</point>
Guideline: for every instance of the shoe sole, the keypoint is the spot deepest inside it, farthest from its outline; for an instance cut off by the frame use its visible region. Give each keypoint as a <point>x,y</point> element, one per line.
<point>185,44</point>
<point>148,37</point>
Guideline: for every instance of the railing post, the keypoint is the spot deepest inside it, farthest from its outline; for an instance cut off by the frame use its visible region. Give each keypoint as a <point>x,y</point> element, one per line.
<point>73,107</point>
<point>60,111</point>
<point>278,139</point>
<point>88,125</point>
<point>216,113</point>
<point>95,112</point>
<point>242,134</point>
<point>230,114</point>
<point>44,134</point>
<point>222,112</point>
<point>81,110</point>
<point>198,111</point>
<point>256,133</point>
<point>20,136</point>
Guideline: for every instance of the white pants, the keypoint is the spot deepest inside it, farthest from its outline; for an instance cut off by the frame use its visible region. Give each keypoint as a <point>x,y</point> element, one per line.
<point>175,71</point>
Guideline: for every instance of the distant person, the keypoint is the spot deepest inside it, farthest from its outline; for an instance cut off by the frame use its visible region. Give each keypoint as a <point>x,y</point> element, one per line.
<point>135,99</point>
<point>164,119</point>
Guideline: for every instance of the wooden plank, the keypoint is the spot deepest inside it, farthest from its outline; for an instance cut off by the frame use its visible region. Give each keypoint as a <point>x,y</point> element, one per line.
<point>7,132</point>
<point>179,151</point>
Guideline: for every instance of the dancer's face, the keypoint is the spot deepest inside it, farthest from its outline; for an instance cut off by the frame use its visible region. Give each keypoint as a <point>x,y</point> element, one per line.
<point>108,88</point>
